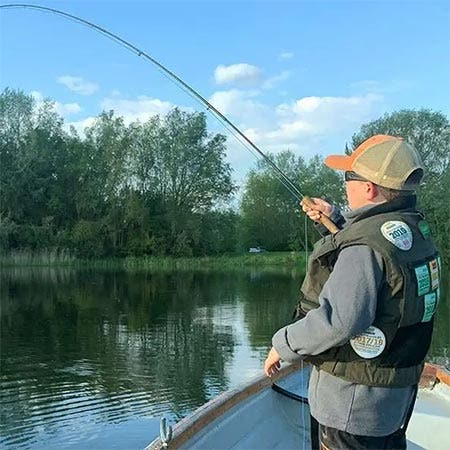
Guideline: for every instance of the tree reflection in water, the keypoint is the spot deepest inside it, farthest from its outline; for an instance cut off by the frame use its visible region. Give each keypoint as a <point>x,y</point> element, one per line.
<point>82,349</point>
<point>108,345</point>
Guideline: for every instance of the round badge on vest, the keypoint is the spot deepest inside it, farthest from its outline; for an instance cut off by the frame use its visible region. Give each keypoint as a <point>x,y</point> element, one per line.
<point>370,343</point>
<point>398,233</point>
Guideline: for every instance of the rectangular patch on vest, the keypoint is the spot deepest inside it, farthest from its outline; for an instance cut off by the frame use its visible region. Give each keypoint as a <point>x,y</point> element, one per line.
<point>423,280</point>
<point>434,271</point>
<point>429,303</point>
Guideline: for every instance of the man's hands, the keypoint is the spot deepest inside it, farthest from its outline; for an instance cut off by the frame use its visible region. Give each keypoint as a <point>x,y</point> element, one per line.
<point>272,363</point>
<point>320,207</point>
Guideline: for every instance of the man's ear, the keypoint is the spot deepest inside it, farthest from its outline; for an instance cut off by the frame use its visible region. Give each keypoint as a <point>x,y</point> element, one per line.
<point>372,191</point>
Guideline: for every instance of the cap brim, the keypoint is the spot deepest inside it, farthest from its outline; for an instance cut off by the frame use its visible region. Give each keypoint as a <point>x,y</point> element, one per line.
<point>339,162</point>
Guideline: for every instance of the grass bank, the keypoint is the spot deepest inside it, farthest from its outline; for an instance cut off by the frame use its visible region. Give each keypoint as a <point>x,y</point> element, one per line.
<point>288,260</point>
<point>43,258</point>
<point>277,259</point>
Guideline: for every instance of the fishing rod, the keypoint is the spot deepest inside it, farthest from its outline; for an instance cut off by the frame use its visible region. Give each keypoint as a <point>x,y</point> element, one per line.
<point>237,133</point>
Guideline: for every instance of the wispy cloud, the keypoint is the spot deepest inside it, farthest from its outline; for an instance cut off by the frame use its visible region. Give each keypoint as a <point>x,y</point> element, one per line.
<point>242,106</point>
<point>78,85</point>
<point>285,55</point>
<point>270,83</point>
<point>311,118</point>
<point>140,108</point>
<point>302,125</point>
<point>390,87</point>
<point>63,109</point>
<point>237,73</point>
<point>80,125</point>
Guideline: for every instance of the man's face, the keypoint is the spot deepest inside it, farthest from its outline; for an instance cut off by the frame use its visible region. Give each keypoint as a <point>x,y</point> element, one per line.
<point>357,193</point>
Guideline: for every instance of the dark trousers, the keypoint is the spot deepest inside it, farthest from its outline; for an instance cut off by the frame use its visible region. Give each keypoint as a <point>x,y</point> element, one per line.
<point>332,439</point>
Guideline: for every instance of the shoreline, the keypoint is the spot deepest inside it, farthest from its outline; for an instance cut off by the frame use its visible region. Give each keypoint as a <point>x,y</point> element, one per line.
<point>286,260</point>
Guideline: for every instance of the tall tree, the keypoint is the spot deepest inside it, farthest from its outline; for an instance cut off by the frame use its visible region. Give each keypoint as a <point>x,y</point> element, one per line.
<point>270,214</point>
<point>114,190</point>
<point>178,160</point>
<point>180,170</point>
<point>36,189</point>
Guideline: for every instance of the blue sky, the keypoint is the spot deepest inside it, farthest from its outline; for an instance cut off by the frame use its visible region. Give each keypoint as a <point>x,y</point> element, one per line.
<point>292,75</point>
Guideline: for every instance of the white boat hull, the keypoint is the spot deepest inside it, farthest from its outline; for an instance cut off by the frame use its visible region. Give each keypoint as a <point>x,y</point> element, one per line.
<point>258,417</point>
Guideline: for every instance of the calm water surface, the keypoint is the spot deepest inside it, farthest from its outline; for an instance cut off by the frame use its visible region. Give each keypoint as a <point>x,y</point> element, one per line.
<point>94,359</point>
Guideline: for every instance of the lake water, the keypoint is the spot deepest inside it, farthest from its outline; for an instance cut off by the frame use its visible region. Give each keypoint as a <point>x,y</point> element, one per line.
<point>93,359</point>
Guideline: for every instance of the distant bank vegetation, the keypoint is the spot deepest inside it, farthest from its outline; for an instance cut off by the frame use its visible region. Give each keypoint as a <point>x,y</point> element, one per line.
<point>295,262</point>
<point>161,188</point>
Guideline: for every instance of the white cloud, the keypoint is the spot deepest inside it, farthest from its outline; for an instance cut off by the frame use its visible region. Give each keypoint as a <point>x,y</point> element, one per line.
<point>327,112</point>
<point>237,73</point>
<point>286,55</point>
<point>306,126</point>
<point>78,85</point>
<point>310,119</point>
<point>307,116</point>
<point>63,109</point>
<point>141,108</point>
<point>242,107</point>
<point>291,130</point>
<point>80,125</point>
<point>231,101</point>
<point>277,79</point>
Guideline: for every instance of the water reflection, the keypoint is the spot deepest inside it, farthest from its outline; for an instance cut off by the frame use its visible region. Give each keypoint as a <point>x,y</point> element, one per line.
<point>84,348</point>
<point>91,357</point>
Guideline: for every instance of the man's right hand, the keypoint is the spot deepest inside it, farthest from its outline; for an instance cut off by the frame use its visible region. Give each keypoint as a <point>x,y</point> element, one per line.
<point>320,207</point>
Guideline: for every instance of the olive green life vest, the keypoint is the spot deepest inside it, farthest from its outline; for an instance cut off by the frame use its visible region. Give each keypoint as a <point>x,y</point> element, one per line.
<point>392,351</point>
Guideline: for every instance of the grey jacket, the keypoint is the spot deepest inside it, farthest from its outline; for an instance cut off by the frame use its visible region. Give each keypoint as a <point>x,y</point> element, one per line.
<point>348,304</point>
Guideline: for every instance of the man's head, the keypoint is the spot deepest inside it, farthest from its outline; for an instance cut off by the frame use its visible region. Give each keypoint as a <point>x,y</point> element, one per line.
<point>381,167</point>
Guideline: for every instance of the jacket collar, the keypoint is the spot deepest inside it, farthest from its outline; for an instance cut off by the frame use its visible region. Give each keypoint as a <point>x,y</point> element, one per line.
<point>399,204</point>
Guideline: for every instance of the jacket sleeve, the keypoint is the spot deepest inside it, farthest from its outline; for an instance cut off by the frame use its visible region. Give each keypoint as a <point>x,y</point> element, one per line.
<point>348,303</point>
<point>336,217</point>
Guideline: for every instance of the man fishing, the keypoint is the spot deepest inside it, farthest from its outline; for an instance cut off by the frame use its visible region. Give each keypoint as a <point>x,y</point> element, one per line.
<point>368,302</point>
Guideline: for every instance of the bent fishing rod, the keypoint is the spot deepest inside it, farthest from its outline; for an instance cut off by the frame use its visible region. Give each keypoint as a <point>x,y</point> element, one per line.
<point>237,133</point>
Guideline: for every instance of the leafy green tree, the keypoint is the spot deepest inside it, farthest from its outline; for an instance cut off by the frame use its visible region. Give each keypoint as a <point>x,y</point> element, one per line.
<point>115,190</point>
<point>218,231</point>
<point>429,132</point>
<point>178,160</point>
<point>37,178</point>
<point>180,169</point>
<point>270,214</point>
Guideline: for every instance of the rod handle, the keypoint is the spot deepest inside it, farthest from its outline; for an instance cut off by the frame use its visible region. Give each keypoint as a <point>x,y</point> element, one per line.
<point>324,220</point>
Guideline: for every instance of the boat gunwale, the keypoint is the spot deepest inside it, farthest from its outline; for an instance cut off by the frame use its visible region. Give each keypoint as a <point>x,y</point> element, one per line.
<point>186,428</point>
<point>433,374</point>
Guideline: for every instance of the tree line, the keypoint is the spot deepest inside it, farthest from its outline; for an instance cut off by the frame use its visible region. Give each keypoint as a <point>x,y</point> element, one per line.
<point>163,187</point>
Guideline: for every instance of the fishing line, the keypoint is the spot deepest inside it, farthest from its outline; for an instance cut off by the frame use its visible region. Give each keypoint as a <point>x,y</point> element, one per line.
<point>302,383</point>
<point>302,367</point>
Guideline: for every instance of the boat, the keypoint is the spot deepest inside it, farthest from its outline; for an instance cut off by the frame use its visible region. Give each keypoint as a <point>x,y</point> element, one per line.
<point>273,413</point>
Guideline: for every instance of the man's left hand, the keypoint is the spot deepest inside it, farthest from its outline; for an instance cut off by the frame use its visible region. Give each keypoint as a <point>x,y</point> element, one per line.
<point>272,363</point>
